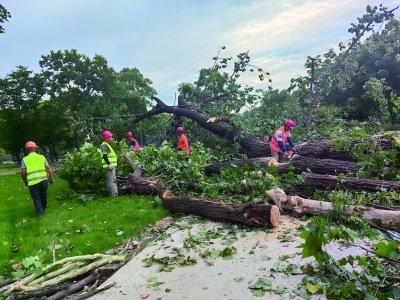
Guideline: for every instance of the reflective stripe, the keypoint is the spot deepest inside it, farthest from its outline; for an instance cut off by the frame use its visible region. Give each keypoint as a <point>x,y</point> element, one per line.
<point>37,178</point>
<point>35,168</point>
<point>37,171</point>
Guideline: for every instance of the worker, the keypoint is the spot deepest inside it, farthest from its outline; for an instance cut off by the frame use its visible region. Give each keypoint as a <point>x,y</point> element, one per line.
<point>281,142</point>
<point>183,143</point>
<point>134,143</point>
<point>109,162</point>
<point>36,174</point>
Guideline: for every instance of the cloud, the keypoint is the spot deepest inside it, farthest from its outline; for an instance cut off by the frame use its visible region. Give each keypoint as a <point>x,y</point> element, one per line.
<point>292,24</point>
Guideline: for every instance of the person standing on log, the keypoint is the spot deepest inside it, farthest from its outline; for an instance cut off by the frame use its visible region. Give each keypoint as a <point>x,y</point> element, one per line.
<point>134,143</point>
<point>281,143</point>
<point>183,143</point>
<point>110,162</point>
<point>36,174</point>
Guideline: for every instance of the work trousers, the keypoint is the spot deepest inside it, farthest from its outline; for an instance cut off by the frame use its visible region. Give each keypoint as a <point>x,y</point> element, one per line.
<point>39,196</point>
<point>112,187</point>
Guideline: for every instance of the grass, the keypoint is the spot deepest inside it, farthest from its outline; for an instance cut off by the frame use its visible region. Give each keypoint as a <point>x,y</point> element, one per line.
<point>75,226</point>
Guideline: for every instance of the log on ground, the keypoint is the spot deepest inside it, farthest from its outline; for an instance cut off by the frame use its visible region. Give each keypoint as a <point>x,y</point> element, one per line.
<point>331,182</point>
<point>324,149</point>
<point>387,219</point>
<point>262,214</point>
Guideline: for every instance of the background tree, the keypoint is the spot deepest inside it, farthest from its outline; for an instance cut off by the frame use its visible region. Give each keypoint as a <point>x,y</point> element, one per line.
<point>4,16</point>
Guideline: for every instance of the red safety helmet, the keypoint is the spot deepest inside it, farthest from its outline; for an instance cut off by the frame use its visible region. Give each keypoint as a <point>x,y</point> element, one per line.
<point>30,145</point>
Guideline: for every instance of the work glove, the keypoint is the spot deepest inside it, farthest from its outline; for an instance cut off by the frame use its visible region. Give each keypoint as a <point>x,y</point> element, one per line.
<point>110,167</point>
<point>51,181</point>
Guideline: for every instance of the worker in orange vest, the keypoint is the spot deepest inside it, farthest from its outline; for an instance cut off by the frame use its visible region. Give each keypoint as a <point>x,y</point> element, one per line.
<point>281,143</point>
<point>183,143</point>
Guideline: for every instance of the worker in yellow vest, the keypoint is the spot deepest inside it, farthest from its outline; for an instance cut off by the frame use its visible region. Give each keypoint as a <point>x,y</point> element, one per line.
<point>109,163</point>
<point>36,173</point>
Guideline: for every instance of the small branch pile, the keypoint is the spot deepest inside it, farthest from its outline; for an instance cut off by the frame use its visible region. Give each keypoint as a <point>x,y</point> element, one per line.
<point>57,280</point>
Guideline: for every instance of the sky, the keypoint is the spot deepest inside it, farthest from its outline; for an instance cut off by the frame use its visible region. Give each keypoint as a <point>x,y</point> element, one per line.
<point>169,41</point>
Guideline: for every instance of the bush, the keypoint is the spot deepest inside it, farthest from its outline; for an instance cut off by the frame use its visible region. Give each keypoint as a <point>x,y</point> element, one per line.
<point>83,170</point>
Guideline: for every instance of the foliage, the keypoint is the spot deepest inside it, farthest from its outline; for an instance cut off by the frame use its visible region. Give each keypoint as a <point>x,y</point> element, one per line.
<point>336,279</point>
<point>83,169</point>
<point>4,16</point>
<point>168,263</point>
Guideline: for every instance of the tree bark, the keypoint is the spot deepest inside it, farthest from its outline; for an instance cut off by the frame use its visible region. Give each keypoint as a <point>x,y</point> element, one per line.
<point>388,219</point>
<point>297,163</point>
<point>262,214</point>
<point>324,149</point>
<point>331,182</point>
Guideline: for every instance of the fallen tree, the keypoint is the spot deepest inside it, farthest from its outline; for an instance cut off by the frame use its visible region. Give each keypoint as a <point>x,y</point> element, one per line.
<point>387,219</point>
<point>262,214</point>
<point>252,145</point>
<point>349,183</point>
<point>297,163</point>
<point>325,149</point>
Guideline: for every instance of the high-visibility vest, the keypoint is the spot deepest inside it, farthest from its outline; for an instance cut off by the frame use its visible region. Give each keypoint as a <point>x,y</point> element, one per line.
<point>274,145</point>
<point>112,156</point>
<point>35,168</point>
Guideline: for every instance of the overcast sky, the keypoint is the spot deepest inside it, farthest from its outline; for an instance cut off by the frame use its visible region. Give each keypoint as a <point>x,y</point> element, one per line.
<point>171,40</point>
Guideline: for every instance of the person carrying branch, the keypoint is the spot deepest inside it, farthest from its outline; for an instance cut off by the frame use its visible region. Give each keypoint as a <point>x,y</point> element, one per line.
<point>183,143</point>
<point>110,162</point>
<point>36,174</point>
<point>281,143</point>
<point>134,143</point>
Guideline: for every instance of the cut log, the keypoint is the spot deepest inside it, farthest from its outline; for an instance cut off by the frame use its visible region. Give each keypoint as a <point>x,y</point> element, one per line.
<point>137,183</point>
<point>319,166</point>
<point>297,163</point>
<point>263,214</point>
<point>324,149</point>
<point>388,219</point>
<point>143,185</point>
<point>331,182</point>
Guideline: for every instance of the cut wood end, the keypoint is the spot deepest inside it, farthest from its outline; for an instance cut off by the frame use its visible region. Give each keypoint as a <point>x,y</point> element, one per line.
<point>167,194</point>
<point>273,162</point>
<point>274,216</point>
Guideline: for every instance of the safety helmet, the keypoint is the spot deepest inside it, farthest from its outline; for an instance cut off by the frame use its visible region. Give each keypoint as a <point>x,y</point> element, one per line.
<point>30,145</point>
<point>179,129</point>
<point>106,135</point>
<point>290,123</point>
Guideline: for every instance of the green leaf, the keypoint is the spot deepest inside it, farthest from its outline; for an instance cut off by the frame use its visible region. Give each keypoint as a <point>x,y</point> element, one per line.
<point>387,249</point>
<point>312,288</point>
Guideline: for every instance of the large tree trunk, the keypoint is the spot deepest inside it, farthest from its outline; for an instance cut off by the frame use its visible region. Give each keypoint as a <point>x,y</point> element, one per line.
<point>252,146</point>
<point>262,214</point>
<point>331,182</point>
<point>324,149</point>
<point>298,163</point>
<point>388,219</point>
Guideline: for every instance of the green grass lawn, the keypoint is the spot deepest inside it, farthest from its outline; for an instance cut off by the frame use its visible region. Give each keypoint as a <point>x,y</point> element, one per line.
<point>75,226</point>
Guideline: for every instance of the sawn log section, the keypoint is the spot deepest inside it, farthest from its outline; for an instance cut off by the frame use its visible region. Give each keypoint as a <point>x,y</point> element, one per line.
<point>263,214</point>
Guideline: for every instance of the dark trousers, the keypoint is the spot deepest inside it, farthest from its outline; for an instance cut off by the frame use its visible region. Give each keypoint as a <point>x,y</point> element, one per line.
<point>39,196</point>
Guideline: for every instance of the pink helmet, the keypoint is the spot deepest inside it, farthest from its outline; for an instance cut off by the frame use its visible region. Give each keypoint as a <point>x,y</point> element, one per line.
<point>179,129</point>
<point>106,135</point>
<point>290,123</point>
<point>129,135</point>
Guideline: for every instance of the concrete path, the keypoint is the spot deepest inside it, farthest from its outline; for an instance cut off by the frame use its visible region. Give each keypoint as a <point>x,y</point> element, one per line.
<point>269,254</point>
